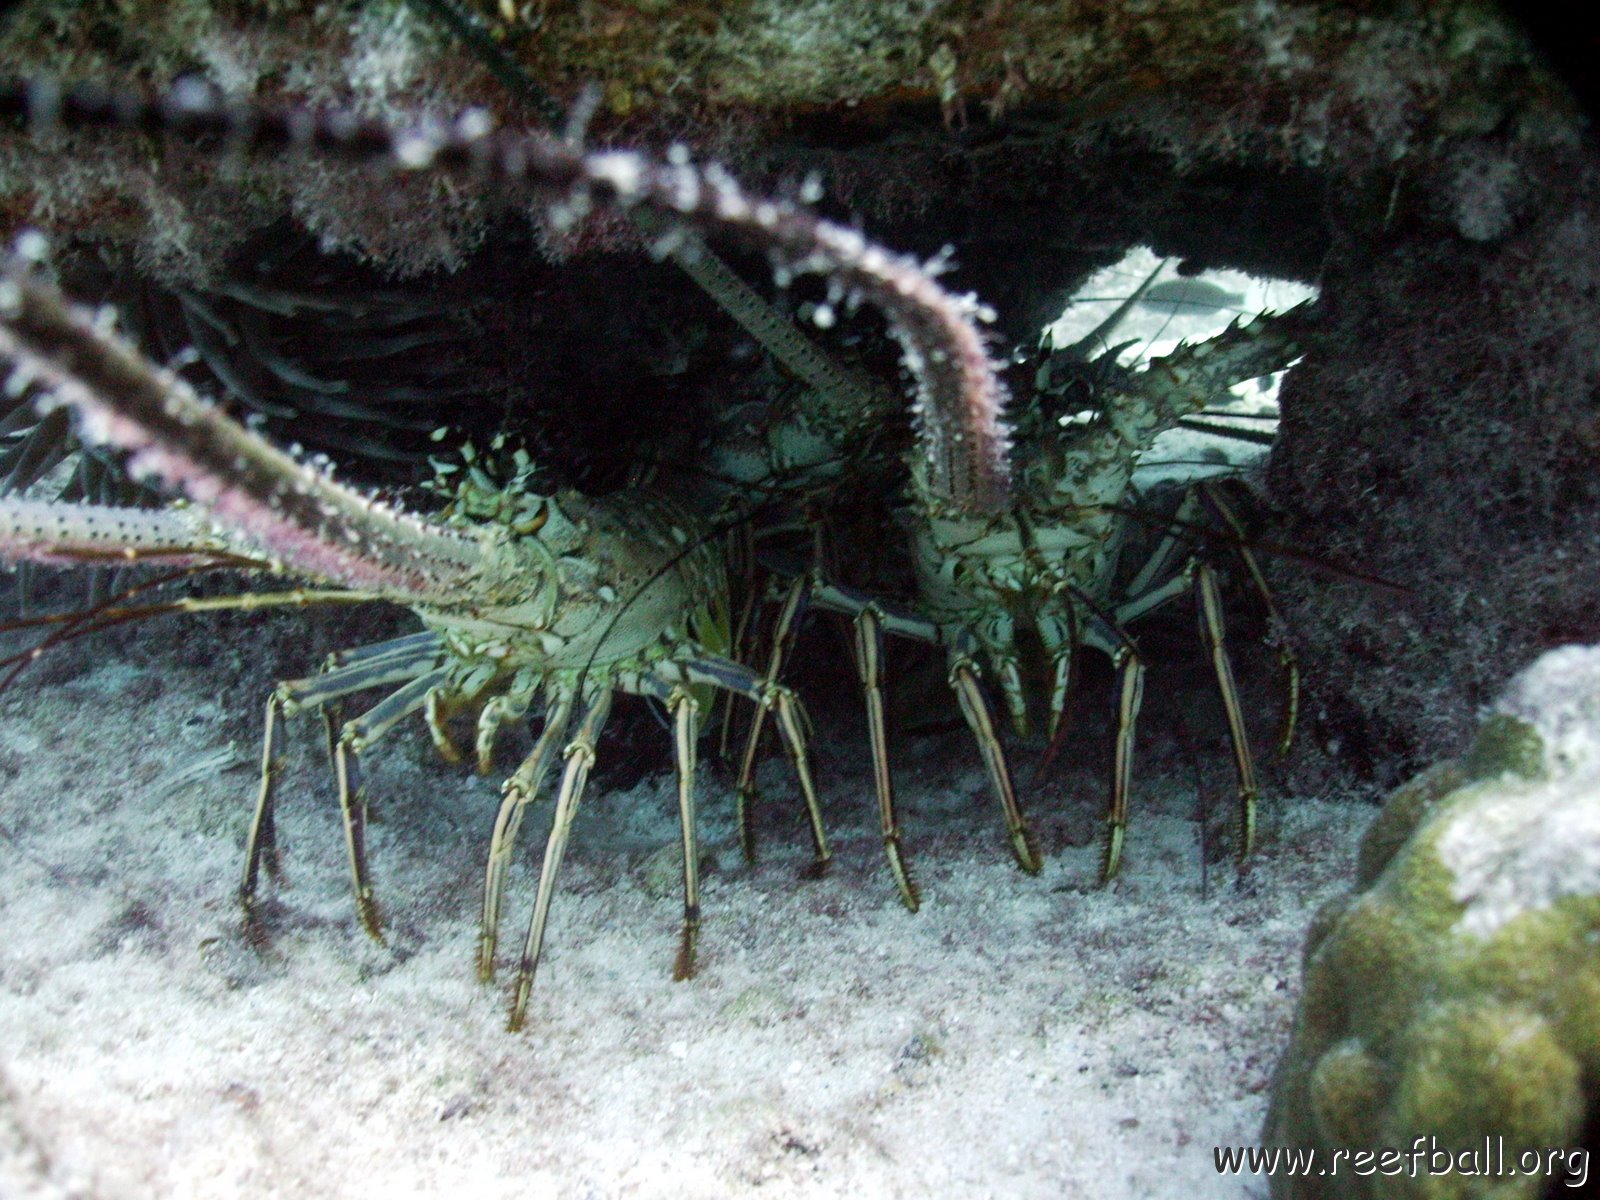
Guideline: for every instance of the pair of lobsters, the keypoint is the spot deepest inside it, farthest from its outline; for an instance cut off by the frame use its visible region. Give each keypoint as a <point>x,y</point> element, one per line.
<point>563,600</point>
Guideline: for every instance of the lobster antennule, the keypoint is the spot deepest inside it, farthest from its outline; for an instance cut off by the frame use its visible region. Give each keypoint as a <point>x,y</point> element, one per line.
<point>294,514</point>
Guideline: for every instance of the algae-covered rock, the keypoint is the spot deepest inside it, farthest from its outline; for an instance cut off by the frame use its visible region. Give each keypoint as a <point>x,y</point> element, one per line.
<point>1451,1012</point>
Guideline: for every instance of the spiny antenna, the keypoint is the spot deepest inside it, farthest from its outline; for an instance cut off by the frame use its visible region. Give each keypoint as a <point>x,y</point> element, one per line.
<point>959,397</point>
<point>290,511</point>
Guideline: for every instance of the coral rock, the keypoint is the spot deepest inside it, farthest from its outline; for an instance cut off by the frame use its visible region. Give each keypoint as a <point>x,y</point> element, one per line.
<point>1454,994</point>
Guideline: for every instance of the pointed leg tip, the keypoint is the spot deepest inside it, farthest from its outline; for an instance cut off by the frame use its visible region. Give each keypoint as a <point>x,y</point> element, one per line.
<point>684,966</point>
<point>518,1016</point>
<point>1026,848</point>
<point>372,920</point>
<point>1112,860</point>
<point>255,933</point>
<point>910,894</point>
<point>747,835</point>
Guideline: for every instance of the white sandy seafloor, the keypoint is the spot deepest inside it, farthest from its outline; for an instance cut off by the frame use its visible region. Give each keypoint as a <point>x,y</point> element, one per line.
<point>1019,1037</point>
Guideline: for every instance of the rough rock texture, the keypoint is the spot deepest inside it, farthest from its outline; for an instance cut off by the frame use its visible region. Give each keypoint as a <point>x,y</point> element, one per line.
<point>1455,992</point>
<point>1445,439</point>
<point>1417,159</point>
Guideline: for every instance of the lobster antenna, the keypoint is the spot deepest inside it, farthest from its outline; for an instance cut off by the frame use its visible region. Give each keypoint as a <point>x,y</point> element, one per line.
<point>1100,335</point>
<point>1256,437</point>
<point>468,27</point>
<point>111,612</point>
<point>959,395</point>
<point>221,563</point>
<point>1236,540</point>
<point>851,394</point>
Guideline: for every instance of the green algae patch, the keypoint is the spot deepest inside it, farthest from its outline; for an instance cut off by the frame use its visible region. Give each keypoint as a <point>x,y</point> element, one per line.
<point>1454,993</point>
<point>1506,743</point>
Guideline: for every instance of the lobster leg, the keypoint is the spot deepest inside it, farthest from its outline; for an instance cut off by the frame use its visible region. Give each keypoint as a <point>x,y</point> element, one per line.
<point>742,681</point>
<point>741,565</point>
<point>1153,585</point>
<point>685,710</point>
<point>965,682</point>
<point>1130,693</point>
<point>519,789</point>
<point>1058,630</point>
<point>869,665</point>
<point>1107,635</point>
<point>789,713</point>
<point>671,682</point>
<point>997,635</point>
<point>1287,661</point>
<point>784,632</point>
<point>580,755</point>
<point>353,808</point>
<point>355,737</point>
<point>686,728</point>
<point>436,715</point>
<point>872,619</point>
<point>353,671</point>
<point>975,707</point>
<point>868,621</point>
<point>1208,602</point>
<point>261,846</point>
<point>393,708</point>
<point>394,661</point>
<point>510,707</point>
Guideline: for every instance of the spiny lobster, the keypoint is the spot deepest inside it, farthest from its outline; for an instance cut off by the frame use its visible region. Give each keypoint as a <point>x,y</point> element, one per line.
<point>1014,591</point>
<point>1045,576</point>
<point>521,595</point>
